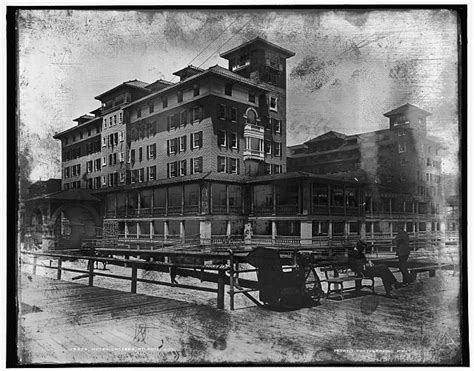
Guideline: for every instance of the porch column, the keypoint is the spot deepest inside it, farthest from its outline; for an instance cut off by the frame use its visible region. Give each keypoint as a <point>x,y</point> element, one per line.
<point>372,230</point>
<point>229,228</point>
<point>274,230</point>
<point>151,230</point>
<point>274,198</point>
<point>165,230</point>
<point>330,229</point>
<point>139,202</point>
<point>390,224</point>
<point>362,230</point>
<point>205,232</point>
<point>138,230</point>
<point>125,230</point>
<point>227,205</point>
<point>182,232</point>
<point>346,229</point>
<point>306,232</point>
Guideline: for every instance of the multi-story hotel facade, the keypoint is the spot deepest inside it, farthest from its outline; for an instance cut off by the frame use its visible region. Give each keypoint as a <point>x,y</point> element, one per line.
<point>205,159</point>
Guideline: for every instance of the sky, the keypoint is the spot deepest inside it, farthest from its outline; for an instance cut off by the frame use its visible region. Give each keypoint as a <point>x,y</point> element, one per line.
<point>349,68</point>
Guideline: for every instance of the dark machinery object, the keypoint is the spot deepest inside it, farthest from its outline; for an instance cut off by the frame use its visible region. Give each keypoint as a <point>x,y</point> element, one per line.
<point>283,286</point>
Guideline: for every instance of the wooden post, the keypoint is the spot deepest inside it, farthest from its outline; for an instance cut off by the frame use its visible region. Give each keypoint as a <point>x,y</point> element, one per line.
<point>91,272</point>
<point>220,289</point>
<point>231,279</point>
<point>60,263</point>
<point>134,279</point>
<point>35,258</point>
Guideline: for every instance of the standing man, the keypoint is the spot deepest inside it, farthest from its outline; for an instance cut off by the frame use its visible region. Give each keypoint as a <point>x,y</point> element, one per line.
<point>402,243</point>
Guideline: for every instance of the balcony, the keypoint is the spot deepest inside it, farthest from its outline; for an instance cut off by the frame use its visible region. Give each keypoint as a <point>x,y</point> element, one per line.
<point>252,154</point>
<point>254,131</point>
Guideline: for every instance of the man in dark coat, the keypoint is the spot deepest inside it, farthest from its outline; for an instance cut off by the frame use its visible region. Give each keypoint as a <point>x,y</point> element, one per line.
<point>402,247</point>
<point>359,264</point>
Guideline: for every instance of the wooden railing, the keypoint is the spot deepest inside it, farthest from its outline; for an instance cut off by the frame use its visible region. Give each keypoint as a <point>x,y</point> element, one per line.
<point>89,273</point>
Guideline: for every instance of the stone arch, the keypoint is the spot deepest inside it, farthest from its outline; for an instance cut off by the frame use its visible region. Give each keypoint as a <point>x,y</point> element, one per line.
<point>251,116</point>
<point>83,219</point>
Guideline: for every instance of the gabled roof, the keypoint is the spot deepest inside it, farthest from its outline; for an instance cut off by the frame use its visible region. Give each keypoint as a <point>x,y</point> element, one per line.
<point>215,70</point>
<point>257,40</point>
<point>329,135</point>
<point>78,127</point>
<point>135,84</point>
<point>83,118</point>
<point>188,71</point>
<point>407,108</point>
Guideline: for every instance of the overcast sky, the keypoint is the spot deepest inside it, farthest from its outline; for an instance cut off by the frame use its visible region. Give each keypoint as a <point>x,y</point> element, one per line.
<point>359,65</point>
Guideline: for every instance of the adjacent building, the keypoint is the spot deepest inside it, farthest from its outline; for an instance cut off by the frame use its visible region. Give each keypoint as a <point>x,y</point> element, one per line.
<point>400,165</point>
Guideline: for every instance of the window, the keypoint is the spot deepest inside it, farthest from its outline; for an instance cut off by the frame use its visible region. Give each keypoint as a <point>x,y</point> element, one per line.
<point>151,151</point>
<point>165,102</point>
<point>152,172</point>
<point>89,132</point>
<point>251,96</point>
<point>196,140</point>
<point>115,119</point>
<point>273,103</point>
<point>121,157</point>
<point>234,166</point>
<point>195,90</point>
<point>233,141</point>
<point>105,123</point>
<point>110,160</point>
<point>401,147</point>
<point>221,162</point>
<point>66,172</point>
<point>139,112</point>
<point>116,138</point>
<point>233,114</point>
<point>251,117</point>
<point>182,168</point>
<point>97,165</point>
<point>132,155</point>
<point>141,175</point>
<point>151,107</point>
<point>140,154</point>
<point>122,177</point>
<point>196,165</point>
<point>222,109</point>
<point>268,147</point>
<point>427,177</point>
<point>276,169</point>
<point>134,176</point>
<point>277,125</point>
<point>182,143</point>
<point>197,113</point>
<point>121,136</point>
<point>228,89</point>
<point>120,117</point>
<point>278,149</point>
<point>183,117</point>
<point>115,158</point>
<point>89,167</point>
<point>104,142</point>
<point>268,169</point>
<point>180,96</point>
<point>104,161</point>
<point>221,138</point>
<point>172,171</point>
<point>104,180</point>
<point>172,146</point>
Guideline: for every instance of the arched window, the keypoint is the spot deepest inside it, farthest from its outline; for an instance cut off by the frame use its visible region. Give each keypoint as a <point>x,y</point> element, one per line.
<point>251,116</point>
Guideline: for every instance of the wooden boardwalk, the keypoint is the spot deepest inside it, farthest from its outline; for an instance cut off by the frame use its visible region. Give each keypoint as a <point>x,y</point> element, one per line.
<point>65,322</point>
